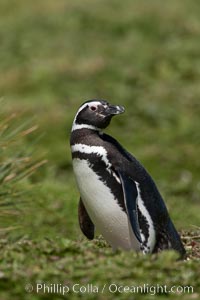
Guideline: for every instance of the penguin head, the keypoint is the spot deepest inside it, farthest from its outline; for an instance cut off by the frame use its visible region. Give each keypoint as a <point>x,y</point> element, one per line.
<point>97,113</point>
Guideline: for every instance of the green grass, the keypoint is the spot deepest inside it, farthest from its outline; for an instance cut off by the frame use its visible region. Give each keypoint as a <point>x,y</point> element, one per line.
<point>144,55</point>
<point>67,262</point>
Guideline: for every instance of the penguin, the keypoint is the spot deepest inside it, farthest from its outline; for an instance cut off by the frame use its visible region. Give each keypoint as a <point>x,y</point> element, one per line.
<point>118,197</point>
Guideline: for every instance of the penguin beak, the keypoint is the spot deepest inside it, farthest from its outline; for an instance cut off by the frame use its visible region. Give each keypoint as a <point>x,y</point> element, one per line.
<point>114,110</point>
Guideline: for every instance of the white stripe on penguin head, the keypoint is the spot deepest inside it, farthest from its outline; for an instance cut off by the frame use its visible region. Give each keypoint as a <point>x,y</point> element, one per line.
<point>80,126</point>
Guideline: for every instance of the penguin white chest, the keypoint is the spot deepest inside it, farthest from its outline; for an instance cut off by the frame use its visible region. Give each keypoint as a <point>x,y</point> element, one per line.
<point>103,209</point>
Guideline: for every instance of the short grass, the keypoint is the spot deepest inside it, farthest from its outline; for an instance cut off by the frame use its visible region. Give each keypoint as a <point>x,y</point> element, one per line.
<point>141,54</point>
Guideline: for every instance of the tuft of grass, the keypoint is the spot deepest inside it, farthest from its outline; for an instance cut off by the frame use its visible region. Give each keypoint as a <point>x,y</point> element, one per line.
<point>68,262</point>
<point>16,165</point>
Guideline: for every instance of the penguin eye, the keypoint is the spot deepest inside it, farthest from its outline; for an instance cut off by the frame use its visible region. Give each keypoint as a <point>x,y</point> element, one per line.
<point>93,108</point>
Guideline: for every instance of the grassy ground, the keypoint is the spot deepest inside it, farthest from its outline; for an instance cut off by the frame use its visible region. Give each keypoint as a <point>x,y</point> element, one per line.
<point>53,56</point>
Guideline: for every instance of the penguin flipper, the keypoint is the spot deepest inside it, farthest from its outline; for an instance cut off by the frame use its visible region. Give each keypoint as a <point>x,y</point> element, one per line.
<point>130,200</point>
<point>85,223</point>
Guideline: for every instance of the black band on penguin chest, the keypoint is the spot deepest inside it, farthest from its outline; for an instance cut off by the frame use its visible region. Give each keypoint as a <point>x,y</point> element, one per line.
<point>105,173</point>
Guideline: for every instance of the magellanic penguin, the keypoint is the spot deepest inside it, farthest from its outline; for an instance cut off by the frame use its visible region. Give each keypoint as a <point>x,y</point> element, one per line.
<point>117,195</point>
